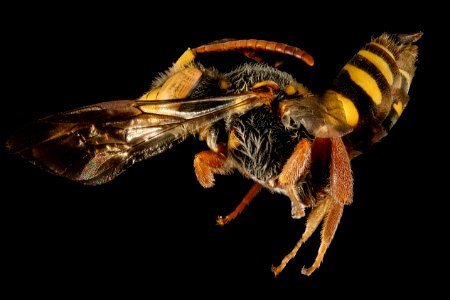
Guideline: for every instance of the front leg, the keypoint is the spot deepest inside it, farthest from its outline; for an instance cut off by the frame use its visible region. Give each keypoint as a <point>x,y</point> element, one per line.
<point>208,163</point>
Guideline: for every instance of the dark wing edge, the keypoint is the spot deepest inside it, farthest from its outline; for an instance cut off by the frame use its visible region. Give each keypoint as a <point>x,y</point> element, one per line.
<point>94,144</point>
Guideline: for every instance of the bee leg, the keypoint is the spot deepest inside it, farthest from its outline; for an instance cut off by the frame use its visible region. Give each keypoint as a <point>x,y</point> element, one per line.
<point>314,218</point>
<point>332,216</point>
<point>207,163</point>
<point>329,210</point>
<point>293,170</point>
<point>254,190</point>
<point>341,177</point>
<point>341,193</point>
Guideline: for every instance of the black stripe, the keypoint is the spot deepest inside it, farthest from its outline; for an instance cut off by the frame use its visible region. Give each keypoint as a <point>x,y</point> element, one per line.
<point>364,64</point>
<point>344,85</point>
<point>390,120</point>
<point>405,84</point>
<point>387,58</point>
<point>360,138</point>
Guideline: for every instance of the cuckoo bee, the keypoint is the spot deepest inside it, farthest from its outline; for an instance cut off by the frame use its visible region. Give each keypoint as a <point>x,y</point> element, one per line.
<point>254,118</point>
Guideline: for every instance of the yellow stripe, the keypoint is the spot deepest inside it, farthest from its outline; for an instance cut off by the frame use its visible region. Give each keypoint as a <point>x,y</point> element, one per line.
<point>350,111</point>
<point>385,50</point>
<point>366,82</point>
<point>406,75</point>
<point>380,63</point>
<point>398,107</point>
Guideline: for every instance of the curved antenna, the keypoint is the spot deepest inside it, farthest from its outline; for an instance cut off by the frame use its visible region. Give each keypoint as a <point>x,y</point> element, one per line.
<point>255,45</point>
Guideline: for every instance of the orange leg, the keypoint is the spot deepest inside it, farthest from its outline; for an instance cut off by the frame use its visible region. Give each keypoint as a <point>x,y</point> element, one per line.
<point>314,218</point>
<point>292,171</point>
<point>246,201</point>
<point>206,164</point>
<point>329,210</point>
<point>341,177</point>
<point>331,221</point>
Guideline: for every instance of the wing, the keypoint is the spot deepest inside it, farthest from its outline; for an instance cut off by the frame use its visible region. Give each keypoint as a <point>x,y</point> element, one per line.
<point>94,144</point>
<point>313,116</point>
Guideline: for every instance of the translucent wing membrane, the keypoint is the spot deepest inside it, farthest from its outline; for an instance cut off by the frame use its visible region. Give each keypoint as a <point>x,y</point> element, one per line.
<point>94,144</point>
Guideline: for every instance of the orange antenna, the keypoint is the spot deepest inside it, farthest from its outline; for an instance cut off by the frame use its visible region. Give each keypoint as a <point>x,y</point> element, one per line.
<point>256,45</point>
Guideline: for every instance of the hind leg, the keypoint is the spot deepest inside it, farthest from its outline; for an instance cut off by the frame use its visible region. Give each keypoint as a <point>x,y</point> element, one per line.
<point>329,210</point>
<point>341,191</point>
<point>315,217</point>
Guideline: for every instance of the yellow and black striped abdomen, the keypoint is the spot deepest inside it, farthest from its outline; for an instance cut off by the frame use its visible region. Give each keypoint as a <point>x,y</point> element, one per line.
<point>371,91</point>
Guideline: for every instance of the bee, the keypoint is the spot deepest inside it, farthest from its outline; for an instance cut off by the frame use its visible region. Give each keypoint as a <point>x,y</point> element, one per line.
<point>255,119</point>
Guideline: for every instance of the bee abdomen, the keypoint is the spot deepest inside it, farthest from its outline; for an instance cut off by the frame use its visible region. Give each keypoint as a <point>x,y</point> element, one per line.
<point>371,90</point>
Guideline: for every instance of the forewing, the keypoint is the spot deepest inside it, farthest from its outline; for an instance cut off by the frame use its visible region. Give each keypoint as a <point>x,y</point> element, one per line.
<point>94,144</point>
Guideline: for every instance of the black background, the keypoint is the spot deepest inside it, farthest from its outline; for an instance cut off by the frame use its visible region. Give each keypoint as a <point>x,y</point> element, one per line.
<point>152,230</point>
